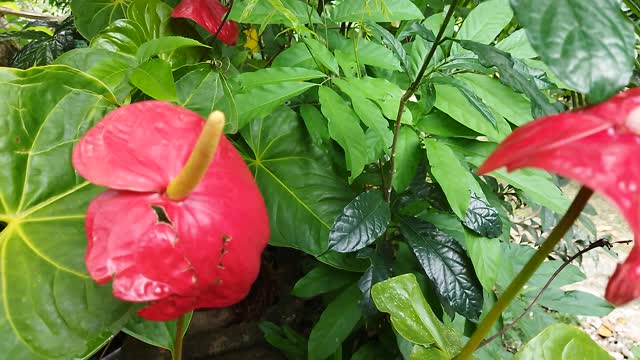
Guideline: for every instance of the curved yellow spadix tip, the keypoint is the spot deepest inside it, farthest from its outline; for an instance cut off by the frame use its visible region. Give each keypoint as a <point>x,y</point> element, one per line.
<point>200,158</point>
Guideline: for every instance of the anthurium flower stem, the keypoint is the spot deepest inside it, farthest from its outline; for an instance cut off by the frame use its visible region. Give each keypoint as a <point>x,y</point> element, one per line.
<point>199,160</point>
<point>177,350</point>
<point>527,271</point>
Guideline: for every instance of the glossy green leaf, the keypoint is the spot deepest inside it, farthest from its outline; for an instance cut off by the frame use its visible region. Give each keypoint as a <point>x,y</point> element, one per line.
<point>408,155</point>
<point>487,258</point>
<point>588,45</point>
<point>296,180</point>
<point>344,128</point>
<point>111,68</point>
<point>562,342</point>
<point>482,218</point>
<point>412,316</point>
<point>517,44</point>
<point>322,55</point>
<point>155,79</point>
<point>446,265</point>
<point>164,44</point>
<point>428,353</point>
<point>321,280</point>
<point>316,124</point>
<point>450,174</point>
<point>123,36</point>
<point>50,307</point>
<point>511,76</point>
<point>263,12</point>
<point>336,322</point>
<point>201,90</point>
<point>375,11</point>
<point>249,80</point>
<point>285,339</point>
<point>466,91</point>
<point>262,100</point>
<point>92,16</point>
<point>500,98</point>
<point>152,16</point>
<point>157,333</point>
<point>362,221</point>
<point>484,22</point>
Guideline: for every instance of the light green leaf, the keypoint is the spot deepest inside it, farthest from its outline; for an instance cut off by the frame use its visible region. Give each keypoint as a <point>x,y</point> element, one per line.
<point>164,44</point>
<point>50,307</point>
<point>155,79</point>
<point>384,93</point>
<point>375,11</point>
<point>263,12</point>
<point>262,100</point>
<point>297,55</point>
<point>336,322</point>
<point>322,55</point>
<point>562,342</point>
<point>439,123</point>
<point>364,52</point>
<point>122,36</point>
<point>565,302</point>
<point>588,45</point>
<point>500,98</point>
<point>417,52</point>
<point>249,80</point>
<point>486,255</point>
<point>157,333</point>
<point>344,128</point>
<point>316,124</point>
<point>450,174</point>
<point>408,155</point>
<point>466,91</point>
<point>412,316</point>
<point>91,16</point>
<point>517,44</point>
<point>484,23</point>
<point>200,90</point>
<point>420,352</point>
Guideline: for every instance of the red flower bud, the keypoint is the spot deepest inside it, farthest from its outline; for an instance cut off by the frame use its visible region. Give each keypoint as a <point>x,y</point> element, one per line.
<point>206,253</point>
<point>209,15</point>
<point>597,146</point>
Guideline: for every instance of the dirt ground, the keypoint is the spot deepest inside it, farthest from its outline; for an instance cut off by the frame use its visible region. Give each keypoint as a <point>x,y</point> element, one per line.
<point>618,332</point>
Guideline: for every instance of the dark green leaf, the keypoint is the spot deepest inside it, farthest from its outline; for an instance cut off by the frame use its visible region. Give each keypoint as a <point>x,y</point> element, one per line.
<point>523,83</point>
<point>155,79</point>
<point>412,316</point>
<point>322,279</point>
<point>285,339</point>
<point>344,128</point>
<point>50,307</point>
<point>157,333</point>
<point>588,45</point>
<point>123,36</point>
<point>337,321</point>
<point>446,265</point>
<point>201,90</point>
<point>295,180</point>
<point>92,16</point>
<point>375,11</point>
<point>24,35</point>
<point>378,271</point>
<point>362,221</point>
<point>482,218</point>
<point>562,342</point>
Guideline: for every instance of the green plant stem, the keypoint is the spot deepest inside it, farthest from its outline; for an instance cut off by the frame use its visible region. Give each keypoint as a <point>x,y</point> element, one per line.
<point>409,93</point>
<point>527,271</point>
<point>633,7</point>
<point>177,351</point>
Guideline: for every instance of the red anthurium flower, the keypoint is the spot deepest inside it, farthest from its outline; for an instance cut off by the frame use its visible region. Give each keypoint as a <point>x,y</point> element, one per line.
<point>206,252</point>
<point>598,147</point>
<point>209,15</point>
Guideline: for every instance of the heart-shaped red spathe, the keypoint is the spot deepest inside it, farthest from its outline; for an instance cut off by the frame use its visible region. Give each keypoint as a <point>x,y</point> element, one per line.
<point>208,253</point>
<point>598,146</point>
<point>209,15</point>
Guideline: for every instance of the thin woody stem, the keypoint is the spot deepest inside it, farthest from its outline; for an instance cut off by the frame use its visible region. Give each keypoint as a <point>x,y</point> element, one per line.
<point>199,160</point>
<point>527,271</point>
<point>177,351</point>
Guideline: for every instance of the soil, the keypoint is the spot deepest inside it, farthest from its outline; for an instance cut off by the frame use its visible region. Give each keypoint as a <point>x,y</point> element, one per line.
<point>618,332</point>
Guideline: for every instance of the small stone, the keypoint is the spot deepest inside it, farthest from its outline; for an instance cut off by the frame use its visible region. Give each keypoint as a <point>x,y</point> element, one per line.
<point>605,331</point>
